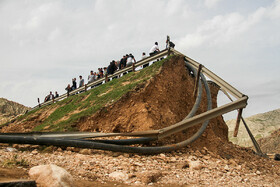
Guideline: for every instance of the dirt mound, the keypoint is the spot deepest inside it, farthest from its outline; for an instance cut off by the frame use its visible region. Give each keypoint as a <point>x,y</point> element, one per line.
<point>163,101</point>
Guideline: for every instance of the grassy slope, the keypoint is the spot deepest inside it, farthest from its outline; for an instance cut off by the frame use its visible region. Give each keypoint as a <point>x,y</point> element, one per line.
<point>69,111</point>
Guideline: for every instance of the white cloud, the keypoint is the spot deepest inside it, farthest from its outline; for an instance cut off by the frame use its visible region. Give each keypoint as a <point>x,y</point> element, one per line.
<point>211,3</point>
<point>226,28</point>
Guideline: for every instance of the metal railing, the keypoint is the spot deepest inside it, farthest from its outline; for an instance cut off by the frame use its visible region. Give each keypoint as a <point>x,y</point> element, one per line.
<point>139,63</point>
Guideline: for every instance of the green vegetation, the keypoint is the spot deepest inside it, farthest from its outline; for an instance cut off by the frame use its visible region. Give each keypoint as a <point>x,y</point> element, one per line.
<point>74,108</point>
<point>14,161</point>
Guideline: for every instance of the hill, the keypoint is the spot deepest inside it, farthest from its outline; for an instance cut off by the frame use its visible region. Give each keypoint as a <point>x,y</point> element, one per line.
<point>10,110</point>
<point>261,125</point>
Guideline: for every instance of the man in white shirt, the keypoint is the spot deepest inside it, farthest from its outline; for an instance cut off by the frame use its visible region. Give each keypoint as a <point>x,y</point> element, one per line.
<point>154,49</point>
<point>129,60</point>
<point>91,77</point>
<point>81,81</point>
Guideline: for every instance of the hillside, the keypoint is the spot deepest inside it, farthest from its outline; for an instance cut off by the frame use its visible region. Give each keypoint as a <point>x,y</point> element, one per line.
<point>261,125</point>
<point>9,110</point>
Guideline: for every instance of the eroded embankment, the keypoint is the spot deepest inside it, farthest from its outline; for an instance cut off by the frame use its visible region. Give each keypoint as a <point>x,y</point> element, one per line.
<point>165,100</point>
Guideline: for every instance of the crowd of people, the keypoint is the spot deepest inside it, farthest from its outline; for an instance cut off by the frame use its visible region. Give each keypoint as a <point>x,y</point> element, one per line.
<point>126,61</point>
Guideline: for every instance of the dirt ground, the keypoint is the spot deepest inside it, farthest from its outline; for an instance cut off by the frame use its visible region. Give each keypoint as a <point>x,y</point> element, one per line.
<point>164,100</point>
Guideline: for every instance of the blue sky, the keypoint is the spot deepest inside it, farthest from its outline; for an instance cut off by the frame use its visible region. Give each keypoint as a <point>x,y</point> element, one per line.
<point>44,44</point>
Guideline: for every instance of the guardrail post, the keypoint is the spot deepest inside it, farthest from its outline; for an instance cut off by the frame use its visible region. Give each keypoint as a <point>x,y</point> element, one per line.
<point>168,53</point>
<point>106,78</point>
<point>133,67</point>
<point>197,79</point>
<point>237,122</point>
<point>39,105</point>
<point>85,87</point>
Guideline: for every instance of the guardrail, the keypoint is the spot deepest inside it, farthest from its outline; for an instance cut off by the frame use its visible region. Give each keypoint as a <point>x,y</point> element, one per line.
<point>103,80</point>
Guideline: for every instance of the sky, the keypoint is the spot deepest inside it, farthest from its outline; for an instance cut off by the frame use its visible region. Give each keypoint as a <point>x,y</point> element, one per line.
<point>46,43</point>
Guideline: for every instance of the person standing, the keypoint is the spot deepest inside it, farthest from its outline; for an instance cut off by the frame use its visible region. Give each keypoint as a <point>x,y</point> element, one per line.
<point>91,77</point>
<point>154,49</point>
<point>130,58</point>
<point>51,96</point>
<point>122,62</point>
<point>68,89</point>
<point>82,82</point>
<point>74,84</point>
<point>56,95</point>
<point>143,57</point>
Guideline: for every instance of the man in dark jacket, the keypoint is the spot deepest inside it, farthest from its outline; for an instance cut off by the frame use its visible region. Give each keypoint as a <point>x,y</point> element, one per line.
<point>112,68</point>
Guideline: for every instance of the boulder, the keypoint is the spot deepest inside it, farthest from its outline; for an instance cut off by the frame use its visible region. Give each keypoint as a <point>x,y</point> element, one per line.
<point>51,175</point>
<point>195,165</point>
<point>117,175</point>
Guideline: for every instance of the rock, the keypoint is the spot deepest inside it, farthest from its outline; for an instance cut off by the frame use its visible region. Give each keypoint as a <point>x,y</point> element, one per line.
<point>116,154</point>
<point>258,172</point>
<point>206,157</point>
<point>162,155</point>
<point>197,165</point>
<point>226,168</point>
<point>51,175</point>
<point>85,151</point>
<point>277,157</point>
<point>35,152</point>
<point>126,155</point>
<point>239,167</point>
<point>173,159</point>
<point>151,177</point>
<point>117,175</point>
<point>183,165</point>
<point>10,149</point>
<point>48,149</point>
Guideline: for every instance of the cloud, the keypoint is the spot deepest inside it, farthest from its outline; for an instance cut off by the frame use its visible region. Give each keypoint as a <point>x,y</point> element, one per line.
<point>223,28</point>
<point>211,3</point>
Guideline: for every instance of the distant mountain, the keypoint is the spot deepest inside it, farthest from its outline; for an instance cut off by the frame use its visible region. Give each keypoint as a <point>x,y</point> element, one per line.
<point>261,125</point>
<point>9,110</point>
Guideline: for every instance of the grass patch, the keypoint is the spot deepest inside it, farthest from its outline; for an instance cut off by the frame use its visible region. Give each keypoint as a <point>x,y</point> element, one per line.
<point>87,103</point>
<point>15,161</point>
